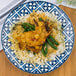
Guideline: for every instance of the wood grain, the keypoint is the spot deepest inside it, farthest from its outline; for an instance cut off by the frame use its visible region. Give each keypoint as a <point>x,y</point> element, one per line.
<point>67,69</point>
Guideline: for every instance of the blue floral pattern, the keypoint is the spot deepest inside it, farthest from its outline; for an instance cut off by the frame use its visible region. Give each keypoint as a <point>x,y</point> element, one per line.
<point>27,8</point>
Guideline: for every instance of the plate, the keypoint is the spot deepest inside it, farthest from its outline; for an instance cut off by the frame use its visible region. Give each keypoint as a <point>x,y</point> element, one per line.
<point>27,8</point>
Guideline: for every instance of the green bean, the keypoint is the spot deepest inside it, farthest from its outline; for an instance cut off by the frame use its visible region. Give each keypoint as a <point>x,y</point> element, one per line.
<point>44,49</point>
<point>28,30</point>
<point>51,44</point>
<point>25,28</point>
<point>43,52</point>
<point>53,40</point>
<point>28,27</point>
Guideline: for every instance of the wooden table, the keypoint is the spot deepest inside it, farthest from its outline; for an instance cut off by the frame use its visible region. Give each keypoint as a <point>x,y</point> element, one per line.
<point>67,69</point>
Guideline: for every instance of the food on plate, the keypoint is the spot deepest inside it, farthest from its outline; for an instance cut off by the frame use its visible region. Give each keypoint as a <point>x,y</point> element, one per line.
<point>37,37</point>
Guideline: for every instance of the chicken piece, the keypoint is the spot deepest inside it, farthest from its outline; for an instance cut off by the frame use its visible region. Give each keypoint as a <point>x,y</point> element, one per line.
<point>22,45</point>
<point>34,38</point>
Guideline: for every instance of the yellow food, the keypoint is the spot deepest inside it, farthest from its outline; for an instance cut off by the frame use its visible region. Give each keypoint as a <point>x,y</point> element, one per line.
<point>33,40</point>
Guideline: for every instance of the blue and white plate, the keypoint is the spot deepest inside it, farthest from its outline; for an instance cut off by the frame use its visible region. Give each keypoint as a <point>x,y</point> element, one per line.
<point>27,8</point>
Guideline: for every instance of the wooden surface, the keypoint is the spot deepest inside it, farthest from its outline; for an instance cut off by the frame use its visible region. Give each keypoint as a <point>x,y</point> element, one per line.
<point>67,69</point>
